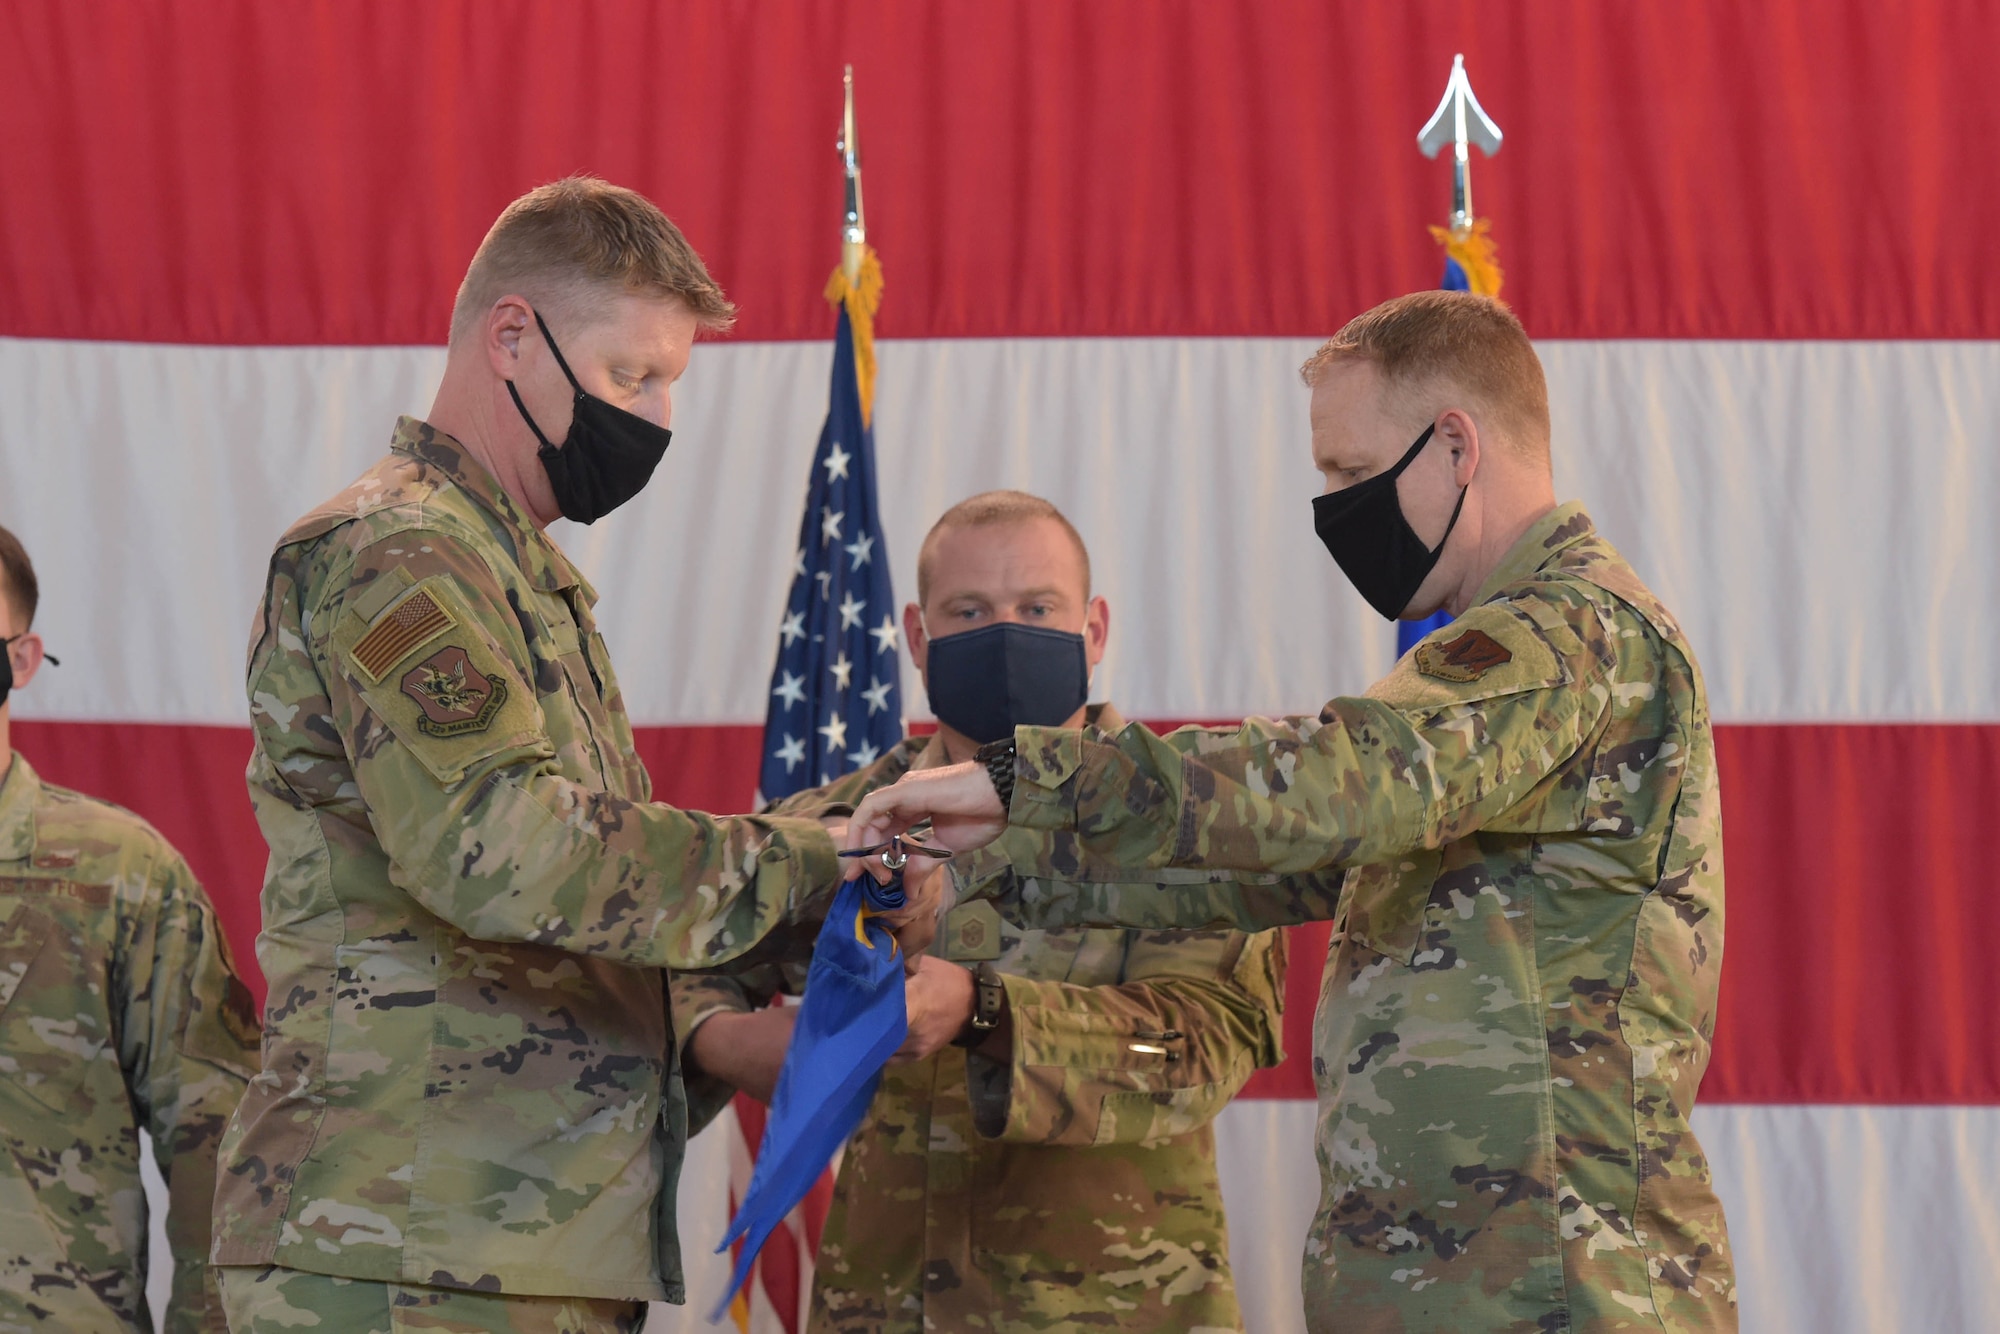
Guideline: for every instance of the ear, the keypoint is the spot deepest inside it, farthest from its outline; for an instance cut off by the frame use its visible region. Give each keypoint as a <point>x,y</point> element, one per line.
<point>27,655</point>
<point>1460,435</point>
<point>506,324</point>
<point>1096,631</point>
<point>913,636</point>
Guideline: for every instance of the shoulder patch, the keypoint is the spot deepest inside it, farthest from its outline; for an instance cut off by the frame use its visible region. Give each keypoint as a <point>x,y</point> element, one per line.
<point>1465,657</point>
<point>1492,650</point>
<point>455,696</point>
<point>404,628</point>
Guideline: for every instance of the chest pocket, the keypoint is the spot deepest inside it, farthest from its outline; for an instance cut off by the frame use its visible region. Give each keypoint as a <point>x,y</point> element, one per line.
<point>53,1023</point>
<point>1388,902</point>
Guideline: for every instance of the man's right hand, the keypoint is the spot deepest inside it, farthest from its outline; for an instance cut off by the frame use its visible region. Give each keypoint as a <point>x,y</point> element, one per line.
<point>959,801</point>
<point>745,1050</point>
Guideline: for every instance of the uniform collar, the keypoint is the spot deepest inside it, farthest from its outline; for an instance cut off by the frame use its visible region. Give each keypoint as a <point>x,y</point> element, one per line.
<point>19,795</point>
<point>541,561</point>
<point>1105,717</point>
<point>1558,530</point>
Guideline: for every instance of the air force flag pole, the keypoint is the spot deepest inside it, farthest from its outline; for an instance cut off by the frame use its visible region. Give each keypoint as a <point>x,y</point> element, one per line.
<point>1470,264</point>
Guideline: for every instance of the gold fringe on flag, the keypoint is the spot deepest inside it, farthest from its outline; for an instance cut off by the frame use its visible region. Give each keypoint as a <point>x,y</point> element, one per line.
<point>1475,252</point>
<point>862,297</point>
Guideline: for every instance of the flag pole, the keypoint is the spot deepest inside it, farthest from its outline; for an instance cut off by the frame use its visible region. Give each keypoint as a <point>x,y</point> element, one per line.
<point>854,225</point>
<point>1460,123</point>
<point>1471,264</point>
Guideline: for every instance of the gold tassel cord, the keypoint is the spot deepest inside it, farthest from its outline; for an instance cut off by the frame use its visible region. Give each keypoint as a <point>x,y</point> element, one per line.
<point>862,297</point>
<point>1472,247</point>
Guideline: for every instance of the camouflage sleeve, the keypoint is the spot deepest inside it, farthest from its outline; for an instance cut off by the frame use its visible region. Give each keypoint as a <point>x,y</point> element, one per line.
<point>189,1044</point>
<point>1154,1056</point>
<point>1426,757</point>
<point>428,673</point>
<point>1060,885</point>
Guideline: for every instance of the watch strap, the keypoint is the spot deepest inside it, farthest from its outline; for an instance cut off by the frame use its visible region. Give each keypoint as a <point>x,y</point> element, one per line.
<point>998,757</point>
<point>989,998</point>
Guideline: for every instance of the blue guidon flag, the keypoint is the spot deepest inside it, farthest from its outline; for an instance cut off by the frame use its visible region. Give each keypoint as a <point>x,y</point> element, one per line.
<point>835,694</point>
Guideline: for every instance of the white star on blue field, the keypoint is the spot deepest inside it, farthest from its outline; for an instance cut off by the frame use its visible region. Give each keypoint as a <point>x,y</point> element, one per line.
<point>834,704</point>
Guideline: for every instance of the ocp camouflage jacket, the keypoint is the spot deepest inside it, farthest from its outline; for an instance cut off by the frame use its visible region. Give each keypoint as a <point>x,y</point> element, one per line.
<point>470,1077</point>
<point>119,1012</point>
<point>1516,1012</point>
<point>1074,1183</point>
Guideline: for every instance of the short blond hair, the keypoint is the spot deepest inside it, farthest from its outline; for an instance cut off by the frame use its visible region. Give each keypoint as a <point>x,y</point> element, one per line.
<point>568,244</point>
<point>1428,340</point>
<point>987,509</point>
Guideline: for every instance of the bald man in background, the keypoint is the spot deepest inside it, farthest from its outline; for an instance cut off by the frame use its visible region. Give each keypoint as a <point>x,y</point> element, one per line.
<point>1041,1153</point>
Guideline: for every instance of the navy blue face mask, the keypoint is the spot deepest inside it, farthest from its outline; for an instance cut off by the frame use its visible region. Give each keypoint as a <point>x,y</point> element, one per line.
<point>986,682</point>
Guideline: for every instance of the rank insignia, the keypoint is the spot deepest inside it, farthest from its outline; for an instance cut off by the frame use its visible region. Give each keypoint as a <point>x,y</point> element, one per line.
<point>1467,658</point>
<point>455,696</point>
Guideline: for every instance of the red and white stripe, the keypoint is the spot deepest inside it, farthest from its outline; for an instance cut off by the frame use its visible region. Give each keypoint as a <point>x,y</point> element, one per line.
<point>1752,241</point>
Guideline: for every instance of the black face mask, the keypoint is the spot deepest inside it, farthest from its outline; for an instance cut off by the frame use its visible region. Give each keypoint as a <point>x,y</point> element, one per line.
<point>608,455</point>
<point>1366,534</point>
<point>986,682</point>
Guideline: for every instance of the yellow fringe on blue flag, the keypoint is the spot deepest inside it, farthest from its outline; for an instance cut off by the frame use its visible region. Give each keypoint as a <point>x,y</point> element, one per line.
<point>862,297</point>
<point>1472,249</point>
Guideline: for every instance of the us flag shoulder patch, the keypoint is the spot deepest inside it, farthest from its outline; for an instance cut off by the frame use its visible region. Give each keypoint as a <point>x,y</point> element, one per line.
<point>404,628</point>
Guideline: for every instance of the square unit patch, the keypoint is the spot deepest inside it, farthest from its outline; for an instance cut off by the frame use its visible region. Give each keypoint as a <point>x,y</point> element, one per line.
<point>455,696</point>
<point>1467,658</point>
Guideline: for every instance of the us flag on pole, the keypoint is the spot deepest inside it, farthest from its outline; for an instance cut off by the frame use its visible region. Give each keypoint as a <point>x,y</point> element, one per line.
<point>835,705</point>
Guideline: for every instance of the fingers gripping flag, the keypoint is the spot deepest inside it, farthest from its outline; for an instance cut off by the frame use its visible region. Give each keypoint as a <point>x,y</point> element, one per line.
<point>835,703</point>
<point>834,707</point>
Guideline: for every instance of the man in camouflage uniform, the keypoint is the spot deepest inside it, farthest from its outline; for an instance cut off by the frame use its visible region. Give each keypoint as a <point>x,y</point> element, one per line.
<point>1516,1011</point>
<point>119,1011</point>
<point>1061,1169</point>
<point>470,1112</point>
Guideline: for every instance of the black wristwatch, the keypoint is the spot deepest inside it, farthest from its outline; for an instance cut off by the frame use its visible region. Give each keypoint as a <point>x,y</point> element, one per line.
<point>998,757</point>
<point>989,998</point>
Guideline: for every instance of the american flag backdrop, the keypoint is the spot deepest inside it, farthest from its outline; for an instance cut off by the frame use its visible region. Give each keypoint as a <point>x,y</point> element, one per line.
<point>1748,240</point>
<point>836,693</point>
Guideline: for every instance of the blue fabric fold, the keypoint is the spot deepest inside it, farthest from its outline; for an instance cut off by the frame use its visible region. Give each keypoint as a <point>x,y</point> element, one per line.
<point>850,1023</point>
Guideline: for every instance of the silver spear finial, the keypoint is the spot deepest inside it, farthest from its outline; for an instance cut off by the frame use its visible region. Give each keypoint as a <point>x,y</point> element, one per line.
<point>1459,121</point>
<point>854,227</point>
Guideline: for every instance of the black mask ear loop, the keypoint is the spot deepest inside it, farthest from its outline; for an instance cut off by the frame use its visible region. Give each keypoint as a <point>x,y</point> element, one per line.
<point>548,446</point>
<point>1409,457</point>
<point>48,657</point>
<point>1410,454</point>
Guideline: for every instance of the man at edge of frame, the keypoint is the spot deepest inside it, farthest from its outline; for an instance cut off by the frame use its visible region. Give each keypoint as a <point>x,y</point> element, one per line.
<point>1521,991</point>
